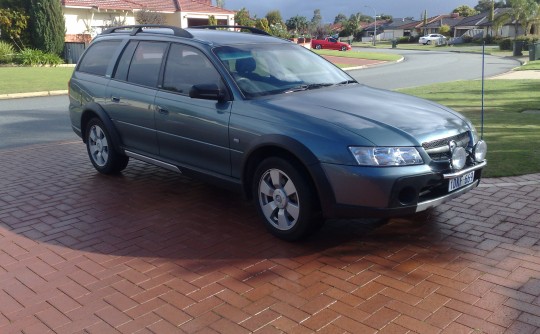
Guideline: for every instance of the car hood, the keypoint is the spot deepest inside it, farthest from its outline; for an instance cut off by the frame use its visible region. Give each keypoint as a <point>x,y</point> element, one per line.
<point>382,117</point>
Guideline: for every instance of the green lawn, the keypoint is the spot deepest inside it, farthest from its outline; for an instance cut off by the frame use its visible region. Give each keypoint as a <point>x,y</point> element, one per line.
<point>361,55</point>
<point>33,79</point>
<point>513,137</point>
<point>532,65</point>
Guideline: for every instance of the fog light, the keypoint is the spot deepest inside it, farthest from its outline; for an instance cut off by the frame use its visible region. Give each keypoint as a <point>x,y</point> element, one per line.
<point>479,151</point>
<point>459,157</point>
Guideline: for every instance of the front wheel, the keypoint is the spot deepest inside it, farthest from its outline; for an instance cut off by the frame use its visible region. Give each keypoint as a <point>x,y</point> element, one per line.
<point>103,156</point>
<point>285,199</point>
<point>428,42</point>
<point>318,47</point>
<point>343,48</point>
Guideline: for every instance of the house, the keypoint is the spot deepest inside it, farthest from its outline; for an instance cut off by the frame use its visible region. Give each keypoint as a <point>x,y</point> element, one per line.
<point>481,25</point>
<point>87,18</point>
<point>397,28</point>
<point>434,26</point>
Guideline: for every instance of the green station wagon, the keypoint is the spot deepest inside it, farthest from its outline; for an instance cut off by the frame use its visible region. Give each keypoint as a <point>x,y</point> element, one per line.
<point>271,119</point>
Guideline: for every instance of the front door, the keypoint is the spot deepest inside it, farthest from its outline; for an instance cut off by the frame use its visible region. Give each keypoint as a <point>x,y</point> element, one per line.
<point>192,132</point>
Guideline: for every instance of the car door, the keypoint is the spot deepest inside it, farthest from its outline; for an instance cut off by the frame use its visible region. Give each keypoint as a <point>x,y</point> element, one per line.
<point>192,132</point>
<point>131,95</point>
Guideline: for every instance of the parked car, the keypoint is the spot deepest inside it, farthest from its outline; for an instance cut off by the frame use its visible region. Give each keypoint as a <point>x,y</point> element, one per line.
<point>270,119</point>
<point>437,39</point>
<point>329,43</point>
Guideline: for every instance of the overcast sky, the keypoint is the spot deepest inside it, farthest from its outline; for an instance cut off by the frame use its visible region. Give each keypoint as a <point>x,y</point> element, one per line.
<point>330,8</point>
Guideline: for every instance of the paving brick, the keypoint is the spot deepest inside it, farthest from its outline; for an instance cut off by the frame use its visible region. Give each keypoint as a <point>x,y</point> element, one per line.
<point>153,251</point>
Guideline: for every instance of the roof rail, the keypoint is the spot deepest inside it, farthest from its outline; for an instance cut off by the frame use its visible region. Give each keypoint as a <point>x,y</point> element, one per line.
<point>253,30</point>
<point>138,28</point>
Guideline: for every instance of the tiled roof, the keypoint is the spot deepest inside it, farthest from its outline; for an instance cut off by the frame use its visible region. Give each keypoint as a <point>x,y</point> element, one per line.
<point>201,6</point>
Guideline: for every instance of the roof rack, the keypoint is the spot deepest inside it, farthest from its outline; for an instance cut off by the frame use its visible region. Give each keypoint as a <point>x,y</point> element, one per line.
<point>138,28</point>
<point>253,30</point>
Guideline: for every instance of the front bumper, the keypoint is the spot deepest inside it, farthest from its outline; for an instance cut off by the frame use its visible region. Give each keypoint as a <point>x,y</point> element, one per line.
<point>392,191</point>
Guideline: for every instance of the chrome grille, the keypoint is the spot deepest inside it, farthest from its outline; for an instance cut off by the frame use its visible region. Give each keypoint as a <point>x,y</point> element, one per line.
<point>439,149</point>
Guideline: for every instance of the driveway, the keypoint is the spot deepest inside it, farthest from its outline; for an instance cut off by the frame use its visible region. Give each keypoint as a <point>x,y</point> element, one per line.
<point>153,252</point>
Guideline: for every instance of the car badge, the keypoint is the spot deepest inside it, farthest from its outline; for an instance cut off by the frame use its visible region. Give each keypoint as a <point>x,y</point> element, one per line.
<point>452,145</point>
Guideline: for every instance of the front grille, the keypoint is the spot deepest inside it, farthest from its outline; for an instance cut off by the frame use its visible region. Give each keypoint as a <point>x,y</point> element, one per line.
<point>439,150</point>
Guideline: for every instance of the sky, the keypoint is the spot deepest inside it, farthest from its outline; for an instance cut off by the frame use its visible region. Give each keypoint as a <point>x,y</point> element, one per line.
<point>330,8</point>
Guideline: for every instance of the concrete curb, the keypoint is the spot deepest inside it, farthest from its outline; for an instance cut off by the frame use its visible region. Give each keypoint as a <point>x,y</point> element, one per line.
<point>32,94</point>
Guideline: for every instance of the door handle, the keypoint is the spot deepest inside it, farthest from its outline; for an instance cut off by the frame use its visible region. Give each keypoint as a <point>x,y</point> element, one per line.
<point>162,111</point>
<point>115,99</point>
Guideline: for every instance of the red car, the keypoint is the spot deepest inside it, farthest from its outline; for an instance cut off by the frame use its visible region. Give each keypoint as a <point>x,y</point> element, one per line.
<point>329,43</point>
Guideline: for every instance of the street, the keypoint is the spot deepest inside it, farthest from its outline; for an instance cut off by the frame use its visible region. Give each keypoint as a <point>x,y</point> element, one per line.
<point>428,67</point>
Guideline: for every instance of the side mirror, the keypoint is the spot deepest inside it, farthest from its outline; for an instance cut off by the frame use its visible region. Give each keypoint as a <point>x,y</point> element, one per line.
<point>207,92</point>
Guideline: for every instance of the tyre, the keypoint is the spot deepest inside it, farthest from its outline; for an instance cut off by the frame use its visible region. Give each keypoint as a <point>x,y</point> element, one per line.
<point>318,47</point>
<point>101,152</point>
<point>285,199</point>
<point>343,48</point>
<point>428,42</point>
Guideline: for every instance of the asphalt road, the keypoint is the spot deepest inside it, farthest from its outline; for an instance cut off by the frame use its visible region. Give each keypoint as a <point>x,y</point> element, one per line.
<point>42,120</point>
<point>33,121</point>
<point>427,67</point>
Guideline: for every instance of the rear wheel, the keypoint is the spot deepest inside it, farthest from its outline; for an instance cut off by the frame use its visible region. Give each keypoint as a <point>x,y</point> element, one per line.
<point>285,199</point>
<point>318,47</point>
<point>102,154</point>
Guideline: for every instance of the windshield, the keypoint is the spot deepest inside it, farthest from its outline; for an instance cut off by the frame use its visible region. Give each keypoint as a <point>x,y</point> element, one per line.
<point>278,68</point>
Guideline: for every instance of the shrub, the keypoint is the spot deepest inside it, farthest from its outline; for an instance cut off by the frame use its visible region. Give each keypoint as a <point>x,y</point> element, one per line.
<point>404,39</point>
<point>467,39</point>
<point>505,44</point>
<point>6,52</point>
<point>32,57</point>
<point>527,40</point>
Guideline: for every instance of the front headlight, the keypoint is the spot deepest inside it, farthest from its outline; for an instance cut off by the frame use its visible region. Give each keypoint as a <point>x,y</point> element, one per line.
<point>386,156</point>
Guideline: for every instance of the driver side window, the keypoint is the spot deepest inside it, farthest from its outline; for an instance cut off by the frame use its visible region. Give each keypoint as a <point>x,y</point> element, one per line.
<point>186,67</point>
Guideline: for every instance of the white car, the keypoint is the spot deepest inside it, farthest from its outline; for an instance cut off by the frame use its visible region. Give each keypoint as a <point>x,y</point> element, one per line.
<point>432,38</point>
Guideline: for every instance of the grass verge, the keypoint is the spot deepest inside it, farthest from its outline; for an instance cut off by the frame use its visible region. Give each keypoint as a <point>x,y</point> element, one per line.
<point>532,65</point>
<point>513,137</point>
<point>33,79</point>
<point>361,55</point>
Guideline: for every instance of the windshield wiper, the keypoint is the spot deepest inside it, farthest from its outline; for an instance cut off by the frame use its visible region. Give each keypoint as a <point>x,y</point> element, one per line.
<point>307,87</point>
<point>346,82</point>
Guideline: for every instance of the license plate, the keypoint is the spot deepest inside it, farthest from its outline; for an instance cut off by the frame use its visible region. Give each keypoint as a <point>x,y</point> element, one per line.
<point>461,181</point>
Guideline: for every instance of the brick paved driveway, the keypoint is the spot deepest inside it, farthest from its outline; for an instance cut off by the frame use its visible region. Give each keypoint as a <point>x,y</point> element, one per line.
<point>153,252</point>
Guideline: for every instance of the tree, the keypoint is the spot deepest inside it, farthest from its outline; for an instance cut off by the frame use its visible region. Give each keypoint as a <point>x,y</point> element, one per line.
<point>351,26</point>
<point>145,16</point>
<point>445,30</point>
<point>425,19</point>
<point>47,26</point>
<point>524,13</point>
<point>242,18</point>
<point>316,20</point>
<point>212,21</point>
<point>13,24</point>
<point>298,24</point>
<point>485,5</point>
<point>262,24</point>
<point>220,3</point>
<point>274,17</point>
<point>385,17</point>
<point>465,11</point>
<point>340,18</point>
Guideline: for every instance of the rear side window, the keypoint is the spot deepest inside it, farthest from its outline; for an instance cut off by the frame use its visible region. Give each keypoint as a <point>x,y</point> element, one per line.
<point>146,63</point>
<point>97,57</point>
